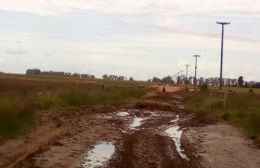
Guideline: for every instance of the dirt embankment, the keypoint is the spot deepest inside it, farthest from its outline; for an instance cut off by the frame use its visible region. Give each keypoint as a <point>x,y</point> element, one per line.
<point>155,132</point>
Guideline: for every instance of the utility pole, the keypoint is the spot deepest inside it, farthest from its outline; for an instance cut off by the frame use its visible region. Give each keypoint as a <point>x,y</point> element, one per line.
<point>181,76</point>
<point>222,52</point>
<point>187,69</point>
<point>195,77</point>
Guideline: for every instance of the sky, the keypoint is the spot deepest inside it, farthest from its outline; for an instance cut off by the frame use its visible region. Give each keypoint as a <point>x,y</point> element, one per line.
<point>138,38</point>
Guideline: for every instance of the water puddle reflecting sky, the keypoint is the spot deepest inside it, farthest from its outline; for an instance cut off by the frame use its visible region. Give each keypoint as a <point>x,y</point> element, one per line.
<point>137,122</point>
<point>175,133</point>
<point>122,114</point>
<point>99,155</point>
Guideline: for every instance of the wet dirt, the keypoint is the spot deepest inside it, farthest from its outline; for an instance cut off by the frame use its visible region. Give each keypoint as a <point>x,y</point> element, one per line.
<point>155,132</point>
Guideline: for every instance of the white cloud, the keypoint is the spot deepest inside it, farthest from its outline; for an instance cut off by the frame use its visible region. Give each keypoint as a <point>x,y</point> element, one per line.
<point>61,7</point>
<point>127,53</point>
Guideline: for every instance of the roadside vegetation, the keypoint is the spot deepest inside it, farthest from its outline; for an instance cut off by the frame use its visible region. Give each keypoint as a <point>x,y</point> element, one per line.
<point>21,96</point>
<point>242,109</point>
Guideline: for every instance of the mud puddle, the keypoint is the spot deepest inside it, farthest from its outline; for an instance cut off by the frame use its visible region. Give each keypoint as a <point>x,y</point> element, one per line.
<point>130,119</point>
<point>175,133</point>
<point>99,155</point>
<point>138,127</point>
<point>137,122</point>
<point>122,114</point>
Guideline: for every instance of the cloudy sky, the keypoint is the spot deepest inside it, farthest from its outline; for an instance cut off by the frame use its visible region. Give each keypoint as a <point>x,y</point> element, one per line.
<point>139,38</point>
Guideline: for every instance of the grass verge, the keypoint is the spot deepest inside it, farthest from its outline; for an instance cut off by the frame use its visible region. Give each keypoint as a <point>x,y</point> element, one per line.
<point>16,117</point>
<point>242,110</point>
<point>19,98</point>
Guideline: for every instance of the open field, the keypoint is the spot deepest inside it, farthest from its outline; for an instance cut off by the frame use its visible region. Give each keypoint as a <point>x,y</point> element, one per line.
<point>242,110</point>
<point>21,96</point>
<point>239,89</point>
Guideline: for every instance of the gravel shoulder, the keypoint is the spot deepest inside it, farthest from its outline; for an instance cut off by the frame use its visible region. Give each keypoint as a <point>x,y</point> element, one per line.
<point>222,146</point>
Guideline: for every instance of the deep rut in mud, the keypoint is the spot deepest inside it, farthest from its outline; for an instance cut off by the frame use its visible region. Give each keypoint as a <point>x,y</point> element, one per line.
<point>146,149</point>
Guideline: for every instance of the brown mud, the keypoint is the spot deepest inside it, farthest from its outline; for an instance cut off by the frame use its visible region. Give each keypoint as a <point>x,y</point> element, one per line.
<point>64,139</point>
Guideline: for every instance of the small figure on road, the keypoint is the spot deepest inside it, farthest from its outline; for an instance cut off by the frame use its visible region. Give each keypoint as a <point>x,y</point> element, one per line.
<point>164,90</point>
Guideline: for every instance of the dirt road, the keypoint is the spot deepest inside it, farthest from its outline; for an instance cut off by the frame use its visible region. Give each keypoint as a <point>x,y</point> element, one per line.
<point>155,132</point>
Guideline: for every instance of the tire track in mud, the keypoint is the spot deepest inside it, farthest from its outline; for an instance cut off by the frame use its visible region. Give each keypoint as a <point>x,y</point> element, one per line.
<point>147,147</point>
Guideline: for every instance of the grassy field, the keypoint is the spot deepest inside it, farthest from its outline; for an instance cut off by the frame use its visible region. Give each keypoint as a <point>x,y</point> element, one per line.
<point>20,96</point>
<point>242,110</point>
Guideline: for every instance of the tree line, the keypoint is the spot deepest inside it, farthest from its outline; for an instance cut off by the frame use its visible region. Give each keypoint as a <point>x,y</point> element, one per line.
<point>212,81</point>
<point>38,72</point>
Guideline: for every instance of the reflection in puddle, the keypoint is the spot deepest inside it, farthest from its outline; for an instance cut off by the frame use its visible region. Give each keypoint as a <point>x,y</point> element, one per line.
<point>175,133</point>
<point>137,121</point>
<point>122,114</point>
<point>99,155</point>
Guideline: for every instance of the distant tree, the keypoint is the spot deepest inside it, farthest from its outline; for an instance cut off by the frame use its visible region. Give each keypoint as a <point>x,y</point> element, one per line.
<point>131,79</point>
<point>105,77</point>
<point>33,72</point>
<point>112,77</point>
<point>120,78</point>
<point>92,77</point>
<point>252,83</point>
<point>201,80</point>
<point>240,81</point>
<point>189,80</point>
<point>234,82</point>
<point>167,79</point>
<point>178,80</point>
<point>228,82</point>
<point>155,79</point>
<point>246,84</point>
<point>257,85</point>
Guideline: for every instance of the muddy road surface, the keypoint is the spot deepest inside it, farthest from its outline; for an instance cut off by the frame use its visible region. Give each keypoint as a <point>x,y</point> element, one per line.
<point>156,132</point>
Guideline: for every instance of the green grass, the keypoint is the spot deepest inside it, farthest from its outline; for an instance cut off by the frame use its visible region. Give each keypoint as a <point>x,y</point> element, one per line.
<point>241,111</point>
<point>20,97</point>
<point>87,98</point>
<point>16,116</point>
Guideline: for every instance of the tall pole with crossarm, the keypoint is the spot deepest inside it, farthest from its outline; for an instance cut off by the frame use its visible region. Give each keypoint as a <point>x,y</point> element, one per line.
<point>195,77</point>
<point>222,52</point>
